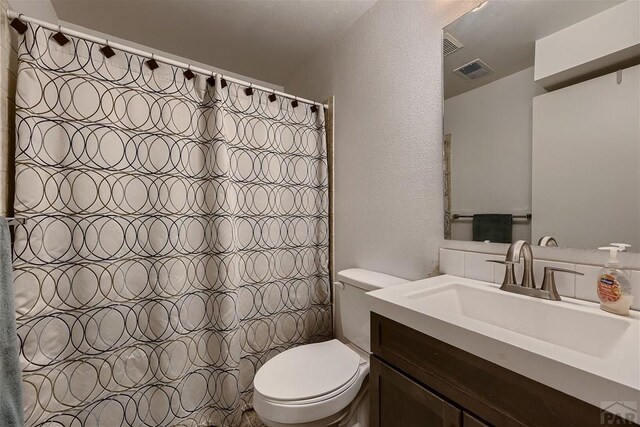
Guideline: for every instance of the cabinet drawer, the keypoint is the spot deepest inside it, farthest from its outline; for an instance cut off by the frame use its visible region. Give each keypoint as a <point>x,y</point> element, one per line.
<point>496,394</point>
<point>396,400</point>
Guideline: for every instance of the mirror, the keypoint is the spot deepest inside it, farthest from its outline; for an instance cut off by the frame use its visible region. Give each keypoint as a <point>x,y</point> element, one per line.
<point>541,123</point>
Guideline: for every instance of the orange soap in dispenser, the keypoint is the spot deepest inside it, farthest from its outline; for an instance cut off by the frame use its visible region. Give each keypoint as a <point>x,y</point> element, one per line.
<point>614,289</point>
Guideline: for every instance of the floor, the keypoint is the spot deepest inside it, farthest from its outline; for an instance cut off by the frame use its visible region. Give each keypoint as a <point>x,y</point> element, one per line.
<point>250,419</point>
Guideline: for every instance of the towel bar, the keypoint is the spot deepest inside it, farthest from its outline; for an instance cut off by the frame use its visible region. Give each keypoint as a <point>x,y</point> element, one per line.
<point>523,216</point>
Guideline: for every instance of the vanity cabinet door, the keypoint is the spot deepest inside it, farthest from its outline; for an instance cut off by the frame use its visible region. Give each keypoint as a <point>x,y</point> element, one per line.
<point>469,420</point>
<point>396,400</point>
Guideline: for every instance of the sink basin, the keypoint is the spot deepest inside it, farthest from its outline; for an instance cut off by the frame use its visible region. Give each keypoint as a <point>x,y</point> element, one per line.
<point>570,345</point>
<point>587,332</point>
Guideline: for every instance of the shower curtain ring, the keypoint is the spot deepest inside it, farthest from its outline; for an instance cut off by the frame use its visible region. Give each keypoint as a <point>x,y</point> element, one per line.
<point>249,91</point>
<point>188,74</point>
<point>59,37</point>
<point>211,80</point>
<point>151,63</point>
<point>106,49</point>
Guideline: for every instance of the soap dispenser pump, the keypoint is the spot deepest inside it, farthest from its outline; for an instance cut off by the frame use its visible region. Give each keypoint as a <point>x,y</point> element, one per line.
<point>622,246</point>
<point>614,289</point>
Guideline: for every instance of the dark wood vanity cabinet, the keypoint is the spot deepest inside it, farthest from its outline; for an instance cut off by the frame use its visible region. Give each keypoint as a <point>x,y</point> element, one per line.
<point>419,381</point>
<point>400,401</point>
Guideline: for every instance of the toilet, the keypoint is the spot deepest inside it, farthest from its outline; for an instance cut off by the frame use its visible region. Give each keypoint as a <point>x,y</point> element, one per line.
<point>326,383</point>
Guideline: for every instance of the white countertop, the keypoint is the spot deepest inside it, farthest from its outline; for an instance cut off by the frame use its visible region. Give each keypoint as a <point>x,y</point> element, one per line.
<point>568,345</point>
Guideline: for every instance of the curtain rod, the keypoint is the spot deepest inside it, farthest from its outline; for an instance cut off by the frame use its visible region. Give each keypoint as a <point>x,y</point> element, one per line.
<point>68,31</point>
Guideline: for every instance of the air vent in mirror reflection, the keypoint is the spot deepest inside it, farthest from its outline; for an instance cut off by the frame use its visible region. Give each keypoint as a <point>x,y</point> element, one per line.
<point>450,44</point>
<point>473,70</point>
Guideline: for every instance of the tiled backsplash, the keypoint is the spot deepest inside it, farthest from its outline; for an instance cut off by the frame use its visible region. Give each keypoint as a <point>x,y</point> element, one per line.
<point>474,265</point>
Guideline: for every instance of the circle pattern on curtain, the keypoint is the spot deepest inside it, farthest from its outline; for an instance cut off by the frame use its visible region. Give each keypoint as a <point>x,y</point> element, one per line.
<point>177,238</point>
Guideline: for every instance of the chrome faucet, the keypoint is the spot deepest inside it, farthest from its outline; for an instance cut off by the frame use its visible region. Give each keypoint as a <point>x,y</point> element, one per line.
<point>518,250</point>
<point>522,250</point>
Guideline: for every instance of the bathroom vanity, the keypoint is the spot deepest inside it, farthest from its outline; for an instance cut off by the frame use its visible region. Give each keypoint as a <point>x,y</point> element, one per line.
<point>436,362</point>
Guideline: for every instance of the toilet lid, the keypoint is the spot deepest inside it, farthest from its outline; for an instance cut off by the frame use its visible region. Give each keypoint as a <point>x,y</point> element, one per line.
<point>307,371</point>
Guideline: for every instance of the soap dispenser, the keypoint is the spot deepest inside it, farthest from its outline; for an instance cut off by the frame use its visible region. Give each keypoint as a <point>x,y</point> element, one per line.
<point>614,289</point>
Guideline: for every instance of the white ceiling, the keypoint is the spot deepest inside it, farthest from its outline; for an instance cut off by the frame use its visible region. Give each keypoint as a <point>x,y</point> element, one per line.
<point>263,39</point>
<point>503,33</point>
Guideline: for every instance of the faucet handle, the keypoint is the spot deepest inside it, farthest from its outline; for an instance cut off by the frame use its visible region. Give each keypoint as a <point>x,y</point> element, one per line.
<point>547,241</point>
<point>562,270</point>
<point>549,282</point>
<point>509,272</point>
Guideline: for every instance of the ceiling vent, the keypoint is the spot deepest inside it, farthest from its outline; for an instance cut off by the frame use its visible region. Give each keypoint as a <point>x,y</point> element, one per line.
<point>450,44</point>
<point>473,70</point>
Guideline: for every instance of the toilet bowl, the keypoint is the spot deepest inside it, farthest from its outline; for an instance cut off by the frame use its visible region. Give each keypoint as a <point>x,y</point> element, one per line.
<point>323,384</point>
<point>313,383</point>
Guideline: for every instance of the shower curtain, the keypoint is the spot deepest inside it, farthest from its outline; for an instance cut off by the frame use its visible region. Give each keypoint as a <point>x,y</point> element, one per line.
<point>177,238</point>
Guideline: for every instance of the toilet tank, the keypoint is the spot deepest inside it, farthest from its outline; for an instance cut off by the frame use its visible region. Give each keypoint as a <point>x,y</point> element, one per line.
<point>351,315</point>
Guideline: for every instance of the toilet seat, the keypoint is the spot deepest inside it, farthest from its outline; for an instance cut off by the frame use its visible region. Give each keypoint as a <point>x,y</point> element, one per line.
<point>307,371</point>
<point>308,383</point>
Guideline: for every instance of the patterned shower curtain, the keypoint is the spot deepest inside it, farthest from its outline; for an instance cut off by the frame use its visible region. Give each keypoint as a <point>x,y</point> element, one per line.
<point>177,238</point>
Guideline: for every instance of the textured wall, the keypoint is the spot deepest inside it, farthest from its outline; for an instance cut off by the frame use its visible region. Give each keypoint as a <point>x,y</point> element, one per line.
<point>385,73</point>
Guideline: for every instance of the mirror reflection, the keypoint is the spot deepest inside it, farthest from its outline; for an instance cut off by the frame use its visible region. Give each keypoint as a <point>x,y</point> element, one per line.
<point>541,123</point>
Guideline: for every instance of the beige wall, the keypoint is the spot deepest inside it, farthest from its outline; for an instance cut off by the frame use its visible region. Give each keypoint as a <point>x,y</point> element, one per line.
<point>40,9</point>
<point>385,73</point>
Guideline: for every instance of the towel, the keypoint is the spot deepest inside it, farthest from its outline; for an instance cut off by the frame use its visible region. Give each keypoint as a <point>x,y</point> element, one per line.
<point>11,412</point>
<point>495,228</point>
